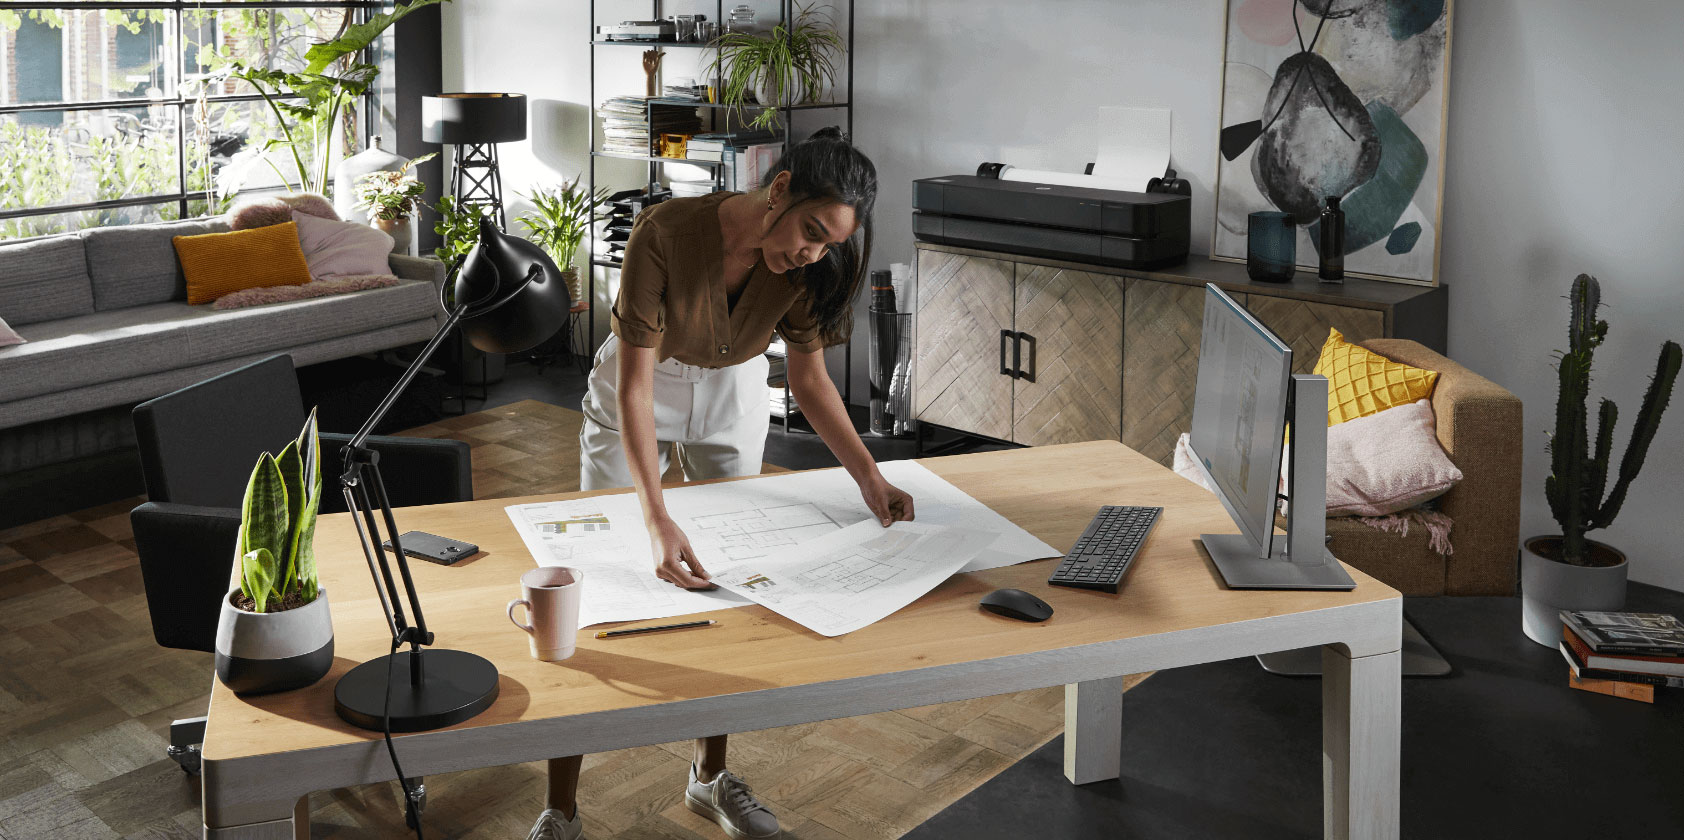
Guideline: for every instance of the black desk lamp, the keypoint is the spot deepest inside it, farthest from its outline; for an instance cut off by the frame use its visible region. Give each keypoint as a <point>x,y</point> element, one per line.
<point>475,123</point>
<point>509,296</point>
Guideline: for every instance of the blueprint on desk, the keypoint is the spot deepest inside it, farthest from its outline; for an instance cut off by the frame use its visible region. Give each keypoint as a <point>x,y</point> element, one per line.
<point>733,522</point>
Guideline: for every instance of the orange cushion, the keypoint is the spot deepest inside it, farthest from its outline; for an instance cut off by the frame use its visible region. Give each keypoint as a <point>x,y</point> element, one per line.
<point>218,263</point>
<point>1361,382</point>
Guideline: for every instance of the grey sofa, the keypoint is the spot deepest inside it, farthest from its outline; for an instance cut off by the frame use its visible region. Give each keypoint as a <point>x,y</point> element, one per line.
<point>107,325</point>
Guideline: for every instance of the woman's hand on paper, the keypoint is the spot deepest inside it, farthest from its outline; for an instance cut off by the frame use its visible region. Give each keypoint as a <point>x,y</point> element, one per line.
<point>675,560</point>
<point>888,503</point>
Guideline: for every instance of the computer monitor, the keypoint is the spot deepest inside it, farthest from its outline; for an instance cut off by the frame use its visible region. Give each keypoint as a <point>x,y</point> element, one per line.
<point>1245,394</point>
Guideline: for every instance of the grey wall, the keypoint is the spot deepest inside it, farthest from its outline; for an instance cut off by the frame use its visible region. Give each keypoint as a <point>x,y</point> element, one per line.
<point>1562,158</point>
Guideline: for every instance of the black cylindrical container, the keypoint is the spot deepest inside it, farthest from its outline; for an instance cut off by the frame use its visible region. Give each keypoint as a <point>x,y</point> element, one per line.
<point>1332,242</point>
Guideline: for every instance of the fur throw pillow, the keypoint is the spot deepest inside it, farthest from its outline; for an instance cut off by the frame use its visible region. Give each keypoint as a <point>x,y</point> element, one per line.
<point>277,209</point>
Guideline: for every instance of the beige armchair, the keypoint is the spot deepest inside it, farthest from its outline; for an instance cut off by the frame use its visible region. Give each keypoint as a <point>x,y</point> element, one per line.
<point>1480,426</point>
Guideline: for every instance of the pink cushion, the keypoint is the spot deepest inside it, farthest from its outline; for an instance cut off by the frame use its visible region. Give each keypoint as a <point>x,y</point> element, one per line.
<point>1376,465</point>
<point>1386,462</point>
<point>340,249</point>
<point>8,336</point>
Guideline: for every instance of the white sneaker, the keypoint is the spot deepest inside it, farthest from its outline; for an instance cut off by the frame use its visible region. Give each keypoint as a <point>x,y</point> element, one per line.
<point>552,825</point>
<point>728,801</point>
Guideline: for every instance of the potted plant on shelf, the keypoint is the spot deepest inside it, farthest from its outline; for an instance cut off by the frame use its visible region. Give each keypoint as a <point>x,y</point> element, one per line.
<point>1566,571</point>
<point>794,64</point>
<point>558,220</point>
<point>391,199</point>
<point>274,632</point>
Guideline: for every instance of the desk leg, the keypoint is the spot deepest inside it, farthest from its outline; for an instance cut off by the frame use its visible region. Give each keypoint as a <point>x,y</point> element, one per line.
<point>1093,730</point>
<point>1362,714</point>
<point>296,827</point>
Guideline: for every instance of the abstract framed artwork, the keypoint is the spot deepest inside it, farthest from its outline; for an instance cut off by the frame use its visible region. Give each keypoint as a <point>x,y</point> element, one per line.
<point>1337,98</point>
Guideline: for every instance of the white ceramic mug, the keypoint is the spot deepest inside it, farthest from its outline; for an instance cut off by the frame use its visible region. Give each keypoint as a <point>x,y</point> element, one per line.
<point>551,597</point>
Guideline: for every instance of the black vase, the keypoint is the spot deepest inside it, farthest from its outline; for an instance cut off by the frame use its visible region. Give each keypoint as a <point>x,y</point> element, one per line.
<point>1271,246</point>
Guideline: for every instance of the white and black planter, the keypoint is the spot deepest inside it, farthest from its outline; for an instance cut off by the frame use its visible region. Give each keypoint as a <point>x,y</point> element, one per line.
<point>259,653</point>
<point>1548,586</point>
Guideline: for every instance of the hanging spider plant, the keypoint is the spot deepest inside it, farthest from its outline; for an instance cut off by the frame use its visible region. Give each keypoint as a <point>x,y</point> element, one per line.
<point>791,65</point>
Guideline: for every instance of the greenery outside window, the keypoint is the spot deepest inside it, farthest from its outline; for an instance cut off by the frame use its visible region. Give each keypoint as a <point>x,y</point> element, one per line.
<point>120,113</point>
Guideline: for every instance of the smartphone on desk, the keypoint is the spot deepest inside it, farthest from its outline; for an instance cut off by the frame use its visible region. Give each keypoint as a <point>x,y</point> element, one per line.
<point>433,548</point>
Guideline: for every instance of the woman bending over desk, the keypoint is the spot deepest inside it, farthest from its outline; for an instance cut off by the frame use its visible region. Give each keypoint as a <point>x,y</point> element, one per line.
<point>705,283</point>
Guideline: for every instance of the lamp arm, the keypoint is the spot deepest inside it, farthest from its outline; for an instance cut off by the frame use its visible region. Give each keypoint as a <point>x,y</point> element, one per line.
<point>361,438</point>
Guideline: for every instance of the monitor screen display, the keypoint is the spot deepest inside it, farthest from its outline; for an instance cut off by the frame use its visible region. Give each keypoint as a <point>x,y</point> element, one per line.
<point>1239,412</point>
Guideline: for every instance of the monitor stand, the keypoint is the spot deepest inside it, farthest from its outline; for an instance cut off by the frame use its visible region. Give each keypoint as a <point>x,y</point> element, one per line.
<point>1300,560</point>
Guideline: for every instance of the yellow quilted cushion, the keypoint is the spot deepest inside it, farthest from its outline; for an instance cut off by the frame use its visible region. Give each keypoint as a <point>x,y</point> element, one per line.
<point>1361,382</point>
<point>218,263</point>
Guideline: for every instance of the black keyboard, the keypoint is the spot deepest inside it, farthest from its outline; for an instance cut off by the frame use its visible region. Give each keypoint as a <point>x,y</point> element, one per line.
<point>1104,552</point>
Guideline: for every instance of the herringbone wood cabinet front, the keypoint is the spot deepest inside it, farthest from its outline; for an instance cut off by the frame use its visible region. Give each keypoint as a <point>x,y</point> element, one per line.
<point>1073,320</point>
<point>1109,356</point>
<point>963,305</point>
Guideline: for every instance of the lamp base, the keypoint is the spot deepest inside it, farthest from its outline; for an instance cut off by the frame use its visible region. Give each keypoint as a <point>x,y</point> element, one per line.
<point>455,686</point>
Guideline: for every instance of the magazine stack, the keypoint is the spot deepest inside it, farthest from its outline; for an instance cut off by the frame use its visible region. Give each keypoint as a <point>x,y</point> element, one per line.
<point>1623,654</point>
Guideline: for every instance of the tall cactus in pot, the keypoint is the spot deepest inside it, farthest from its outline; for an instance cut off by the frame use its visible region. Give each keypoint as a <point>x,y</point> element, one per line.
<point>1578,472</point>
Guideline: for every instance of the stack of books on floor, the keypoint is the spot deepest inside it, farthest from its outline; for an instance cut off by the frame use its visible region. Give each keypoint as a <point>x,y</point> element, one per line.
<point>1623,654</point>
<point>629,123</point>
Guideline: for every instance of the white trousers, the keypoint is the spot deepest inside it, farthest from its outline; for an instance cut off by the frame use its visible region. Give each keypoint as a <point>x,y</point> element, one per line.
<point>715,419</point>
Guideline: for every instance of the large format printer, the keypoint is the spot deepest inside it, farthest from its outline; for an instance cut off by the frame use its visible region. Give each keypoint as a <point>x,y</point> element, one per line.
<point>1146,229</point>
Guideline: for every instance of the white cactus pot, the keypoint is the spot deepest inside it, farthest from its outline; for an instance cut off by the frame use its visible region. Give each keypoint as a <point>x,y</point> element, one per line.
<point>1549,586</point>
<point>258,653</point>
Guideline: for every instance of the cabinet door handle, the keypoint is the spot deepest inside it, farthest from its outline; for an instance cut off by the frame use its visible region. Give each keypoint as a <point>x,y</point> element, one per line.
<point>1028,376</point>
<point>1005,336</point>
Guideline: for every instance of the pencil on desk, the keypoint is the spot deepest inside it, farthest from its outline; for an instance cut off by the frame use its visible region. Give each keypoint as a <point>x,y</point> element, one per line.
<point>609,634</point>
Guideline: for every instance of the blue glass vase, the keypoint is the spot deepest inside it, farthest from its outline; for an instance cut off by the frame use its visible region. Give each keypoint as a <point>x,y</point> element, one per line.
<point>1271,247</point>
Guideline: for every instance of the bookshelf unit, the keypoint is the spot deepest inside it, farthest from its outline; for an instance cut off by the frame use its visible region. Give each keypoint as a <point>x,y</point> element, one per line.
<point>714,116</point>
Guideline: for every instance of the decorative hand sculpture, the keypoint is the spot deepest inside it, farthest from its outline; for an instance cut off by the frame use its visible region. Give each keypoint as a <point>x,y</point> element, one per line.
<point>651,66</point>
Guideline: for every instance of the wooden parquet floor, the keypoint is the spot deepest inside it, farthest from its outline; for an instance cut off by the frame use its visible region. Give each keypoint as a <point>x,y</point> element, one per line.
<point>86,697</point>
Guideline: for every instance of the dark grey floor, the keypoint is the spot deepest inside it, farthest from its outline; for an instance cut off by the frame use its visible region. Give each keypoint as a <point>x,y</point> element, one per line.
<point>1500,748</point>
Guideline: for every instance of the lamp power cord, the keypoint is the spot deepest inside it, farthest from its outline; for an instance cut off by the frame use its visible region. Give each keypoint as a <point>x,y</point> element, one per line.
<point>411,796</point>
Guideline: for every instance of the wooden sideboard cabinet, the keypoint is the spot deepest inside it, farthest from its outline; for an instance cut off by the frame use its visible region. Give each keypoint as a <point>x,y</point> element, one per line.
<point>1035,351</point>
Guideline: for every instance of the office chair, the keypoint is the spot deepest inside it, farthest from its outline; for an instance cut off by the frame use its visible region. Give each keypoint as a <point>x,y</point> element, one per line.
<point>197,448</point>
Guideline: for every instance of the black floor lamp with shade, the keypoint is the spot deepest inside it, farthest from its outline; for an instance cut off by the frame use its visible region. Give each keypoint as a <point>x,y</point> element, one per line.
<point>475,123</point>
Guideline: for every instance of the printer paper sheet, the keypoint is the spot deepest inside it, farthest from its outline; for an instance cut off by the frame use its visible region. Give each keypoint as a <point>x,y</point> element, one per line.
<point>731,522</point>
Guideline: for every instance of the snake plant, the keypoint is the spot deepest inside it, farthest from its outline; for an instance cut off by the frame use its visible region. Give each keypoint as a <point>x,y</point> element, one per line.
<point>278,523</point>
<point>1578,475</point>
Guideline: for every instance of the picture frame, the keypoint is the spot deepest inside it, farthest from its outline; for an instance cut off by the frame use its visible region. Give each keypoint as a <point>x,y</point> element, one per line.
<point>1364,115</point>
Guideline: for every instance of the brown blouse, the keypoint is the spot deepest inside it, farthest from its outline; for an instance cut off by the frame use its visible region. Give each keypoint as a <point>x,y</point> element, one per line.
<point>672,292</point>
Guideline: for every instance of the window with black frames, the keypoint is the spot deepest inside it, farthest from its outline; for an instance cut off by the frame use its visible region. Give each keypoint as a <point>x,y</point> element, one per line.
<point>117,113</point>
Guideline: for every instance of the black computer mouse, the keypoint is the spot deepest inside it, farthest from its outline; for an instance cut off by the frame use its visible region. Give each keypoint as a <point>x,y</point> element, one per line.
<point>1016,603</point>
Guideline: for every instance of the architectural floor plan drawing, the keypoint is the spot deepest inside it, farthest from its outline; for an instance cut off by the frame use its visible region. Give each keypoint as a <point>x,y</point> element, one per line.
<point>854,577</point>
<point>744,534</point>
<point>730,523</point>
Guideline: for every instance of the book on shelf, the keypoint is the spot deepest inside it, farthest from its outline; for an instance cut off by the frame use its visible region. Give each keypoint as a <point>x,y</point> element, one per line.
<point>1614,688</point>
<point>1577,668</point>
<point>690,189</point>
<point>1643,634</point>
<point>1667,666</point>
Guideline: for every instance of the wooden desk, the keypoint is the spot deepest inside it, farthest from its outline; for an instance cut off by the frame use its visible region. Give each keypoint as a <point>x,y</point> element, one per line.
<point>758,670</point>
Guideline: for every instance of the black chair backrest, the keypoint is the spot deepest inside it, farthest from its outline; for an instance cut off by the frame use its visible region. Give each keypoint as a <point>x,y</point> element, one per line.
<point>199,444</point>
